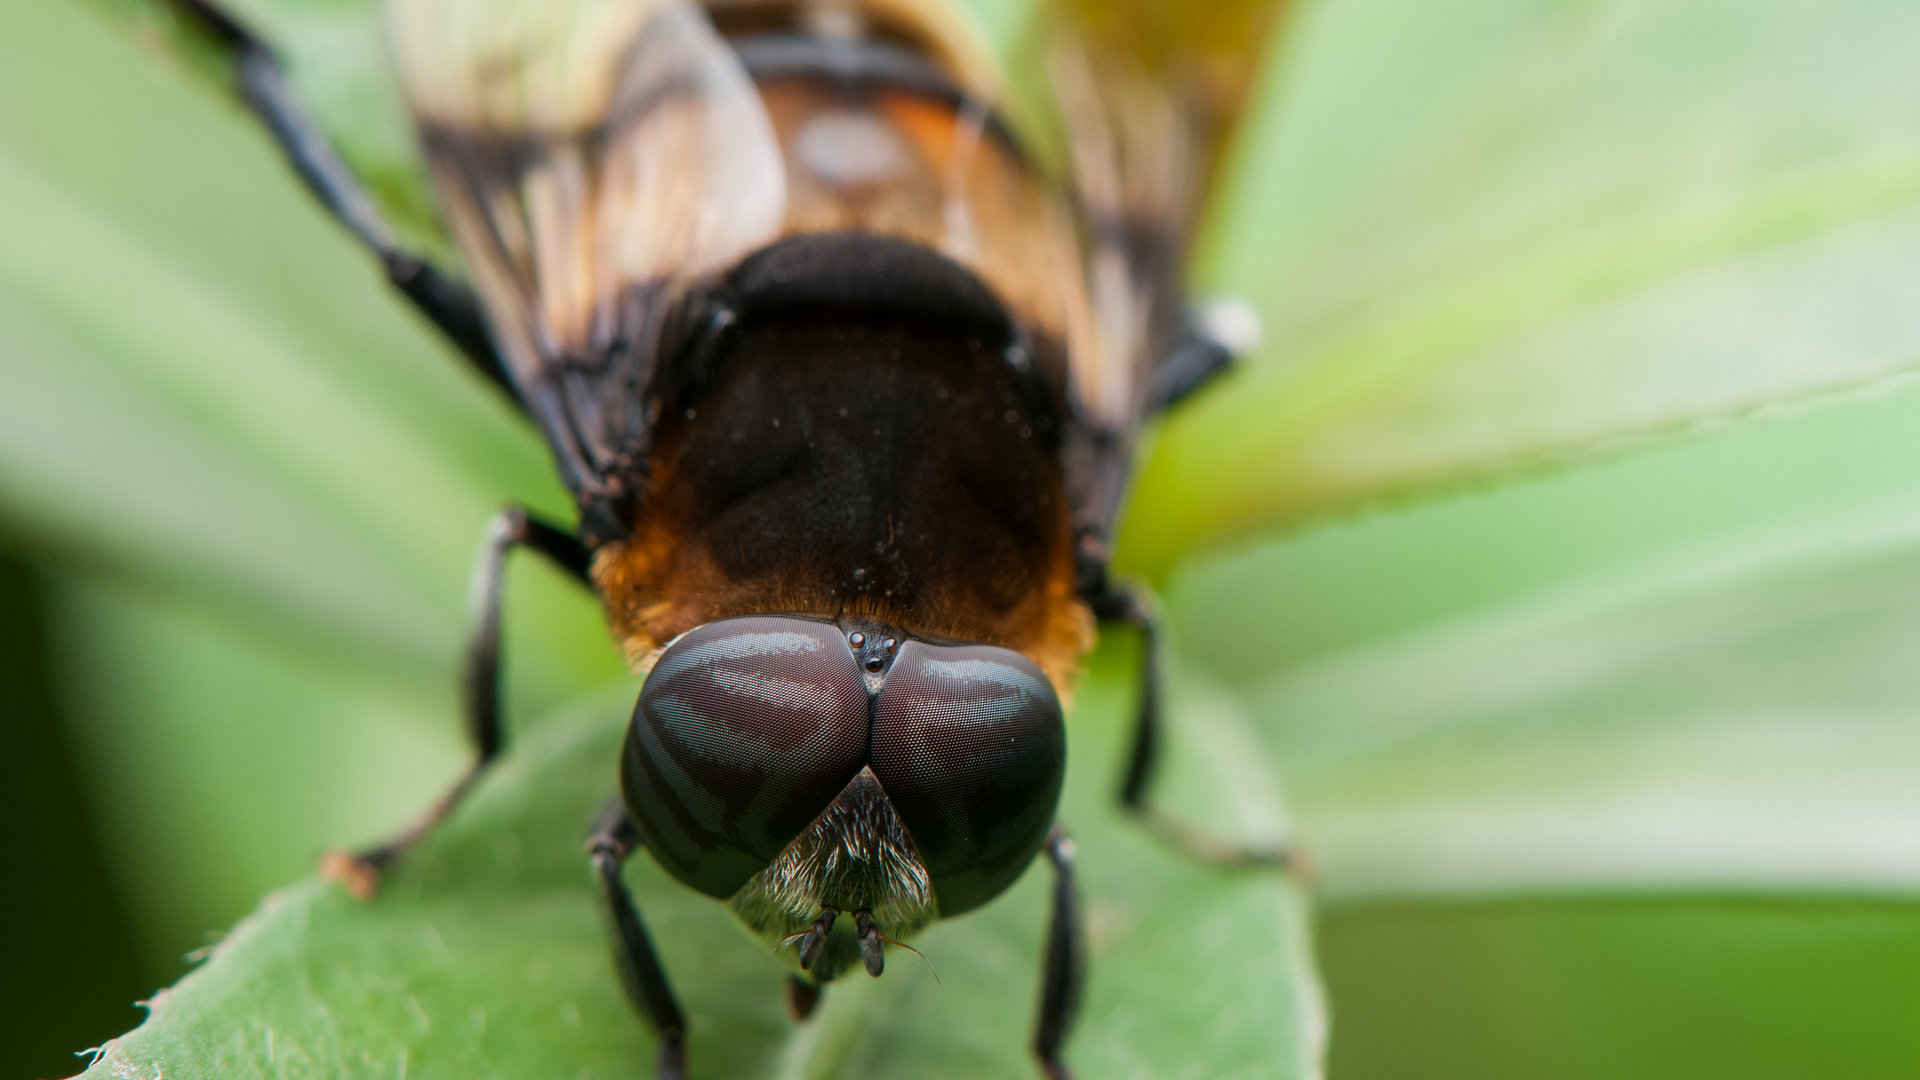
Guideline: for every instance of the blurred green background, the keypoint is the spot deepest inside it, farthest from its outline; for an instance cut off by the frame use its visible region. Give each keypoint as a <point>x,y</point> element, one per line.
<point>1559,559</point>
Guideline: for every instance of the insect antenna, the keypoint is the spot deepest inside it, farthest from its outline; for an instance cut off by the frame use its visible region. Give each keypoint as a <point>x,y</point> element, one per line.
<point>885,940</point>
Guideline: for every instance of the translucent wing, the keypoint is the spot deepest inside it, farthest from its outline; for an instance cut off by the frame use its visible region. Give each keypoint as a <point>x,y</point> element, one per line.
<point>1201,59</point>
<point>1149,92</point>
<point>595,159</point>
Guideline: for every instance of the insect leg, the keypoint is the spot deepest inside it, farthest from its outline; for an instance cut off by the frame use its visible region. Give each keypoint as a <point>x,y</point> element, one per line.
<point>612,840</point>
<point>1194,361</point>
<point>803,997</point>
<point>449,304</point>
<point>480,684</point>
<point>1115,604</point>
<point>1214,337</point>
<point>1066,961</point>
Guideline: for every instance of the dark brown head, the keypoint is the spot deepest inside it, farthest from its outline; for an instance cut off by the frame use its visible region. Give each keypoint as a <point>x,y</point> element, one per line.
<point>851,760</point>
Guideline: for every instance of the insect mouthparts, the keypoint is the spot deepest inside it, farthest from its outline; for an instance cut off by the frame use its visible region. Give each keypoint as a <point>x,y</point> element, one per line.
<point>815,938</point>
<point>866,932</point>
<point>872,945</point>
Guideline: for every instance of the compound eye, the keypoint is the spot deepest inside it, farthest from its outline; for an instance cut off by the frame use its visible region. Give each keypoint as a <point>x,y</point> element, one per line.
<point>745,730</point>
<point>969,745</point>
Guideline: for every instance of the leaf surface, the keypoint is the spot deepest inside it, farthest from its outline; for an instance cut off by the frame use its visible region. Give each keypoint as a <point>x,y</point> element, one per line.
<point>484,957</point>
<point>1681,670</point>
<point>1517,234</point>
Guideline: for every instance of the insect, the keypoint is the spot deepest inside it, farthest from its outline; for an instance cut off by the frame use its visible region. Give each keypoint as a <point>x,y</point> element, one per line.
<point>846,389</point>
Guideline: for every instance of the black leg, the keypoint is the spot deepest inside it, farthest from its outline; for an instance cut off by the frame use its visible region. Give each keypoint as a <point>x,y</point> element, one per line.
<point>448,304</point>
<point>1203,344</point>
<point>1066,962</point>
<point>1207,347</point>
<point>802,997</point>
<point>1113,604</point>
<point>1193,363</point>
<point>612,840</point>
<point>480,684</point>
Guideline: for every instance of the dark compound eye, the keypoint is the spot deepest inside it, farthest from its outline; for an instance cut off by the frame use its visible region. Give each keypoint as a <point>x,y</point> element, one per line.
<point>745,730</point>
<point>969,745</point>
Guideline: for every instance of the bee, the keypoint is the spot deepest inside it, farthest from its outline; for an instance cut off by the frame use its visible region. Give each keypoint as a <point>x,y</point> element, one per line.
<point>846,386</point>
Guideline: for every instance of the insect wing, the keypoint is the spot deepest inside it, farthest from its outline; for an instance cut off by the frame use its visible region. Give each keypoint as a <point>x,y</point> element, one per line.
<point>1151,91</point>
<point>594,158</point>
<point>1204,58</point>
<point>1148,92</point>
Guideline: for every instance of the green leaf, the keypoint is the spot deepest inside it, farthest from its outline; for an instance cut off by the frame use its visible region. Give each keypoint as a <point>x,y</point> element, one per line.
<point>225,761</point>
<point>262,429</point>
<point>1606,758</point>
<point>1686,669</point>
<point>1600,988</point>
<point>1491,238</point>
<point>484,957</point>
<point>333,54</point>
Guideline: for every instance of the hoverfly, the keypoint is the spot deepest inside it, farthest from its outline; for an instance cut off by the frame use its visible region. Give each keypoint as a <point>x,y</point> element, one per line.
<point>846,390</point>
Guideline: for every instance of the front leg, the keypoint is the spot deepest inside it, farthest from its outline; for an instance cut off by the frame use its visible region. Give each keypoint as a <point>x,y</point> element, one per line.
<point>1113,603</point>
<point>1213,339</point>
<point>1065,973</point>
<point>480,685</point>
<point>612,840</point>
